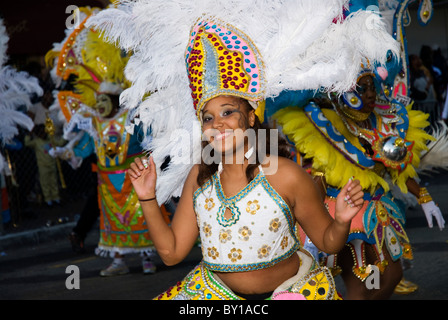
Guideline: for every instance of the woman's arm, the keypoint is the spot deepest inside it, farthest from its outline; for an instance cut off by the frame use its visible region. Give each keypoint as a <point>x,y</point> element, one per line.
<point>173,243</point>
<point>328,234</point>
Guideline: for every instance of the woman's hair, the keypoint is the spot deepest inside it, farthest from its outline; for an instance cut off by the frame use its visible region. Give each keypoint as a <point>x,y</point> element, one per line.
<point>284,150</point>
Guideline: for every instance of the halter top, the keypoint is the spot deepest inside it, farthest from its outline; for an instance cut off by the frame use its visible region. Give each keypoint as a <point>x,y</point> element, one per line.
<point>259,233</point>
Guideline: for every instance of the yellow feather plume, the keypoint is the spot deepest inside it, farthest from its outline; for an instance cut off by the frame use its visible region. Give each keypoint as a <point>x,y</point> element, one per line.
<point>312,143</point>
<point>102,62</point>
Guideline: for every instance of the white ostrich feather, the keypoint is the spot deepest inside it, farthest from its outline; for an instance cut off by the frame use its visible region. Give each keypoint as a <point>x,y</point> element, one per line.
<point>10,121</point>
<point>304,45</point>
<point>16,89</point>
<point>436,157</point>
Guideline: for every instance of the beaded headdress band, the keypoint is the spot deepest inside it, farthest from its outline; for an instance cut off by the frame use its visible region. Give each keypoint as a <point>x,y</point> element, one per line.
<point>221,60</point>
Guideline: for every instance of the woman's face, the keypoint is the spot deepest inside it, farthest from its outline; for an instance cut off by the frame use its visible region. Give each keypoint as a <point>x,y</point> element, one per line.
<point>366,89</point>
<point>224,120</point>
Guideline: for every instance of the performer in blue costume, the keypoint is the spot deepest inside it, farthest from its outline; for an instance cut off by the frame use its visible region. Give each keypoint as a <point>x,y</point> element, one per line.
<point>367,134</point>
<point>377,141</point>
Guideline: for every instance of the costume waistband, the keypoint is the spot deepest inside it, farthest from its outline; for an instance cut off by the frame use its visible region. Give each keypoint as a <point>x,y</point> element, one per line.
<point>310,283</point>
<point>120,168</point>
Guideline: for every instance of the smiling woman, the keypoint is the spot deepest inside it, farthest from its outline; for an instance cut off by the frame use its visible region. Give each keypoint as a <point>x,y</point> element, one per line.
<point>236,57</point>
<point>229,199</point>
<point>232,130</point>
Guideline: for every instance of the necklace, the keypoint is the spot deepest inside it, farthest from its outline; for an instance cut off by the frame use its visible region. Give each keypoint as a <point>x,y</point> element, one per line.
<point>353,126</point>
<point>353,114</point>
<point>386,147</point>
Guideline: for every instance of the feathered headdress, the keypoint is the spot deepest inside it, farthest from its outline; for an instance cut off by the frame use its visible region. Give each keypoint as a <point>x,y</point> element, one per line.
<point>97,67</point>
<point>289,45</point>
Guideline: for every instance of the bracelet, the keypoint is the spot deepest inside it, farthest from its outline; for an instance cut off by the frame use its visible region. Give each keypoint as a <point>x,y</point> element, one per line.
<point>423,196</point>
<point>150,199</point>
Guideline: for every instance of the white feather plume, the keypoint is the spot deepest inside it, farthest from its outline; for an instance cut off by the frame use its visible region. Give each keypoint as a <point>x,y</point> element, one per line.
<point>304,45</point>
<point>16,89</point>
<point>436,157</point>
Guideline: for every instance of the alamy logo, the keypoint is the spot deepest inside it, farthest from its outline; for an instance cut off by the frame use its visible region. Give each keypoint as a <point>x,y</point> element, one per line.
<point>73,20</point>
<point>72,281</point>
<point>373,280</point>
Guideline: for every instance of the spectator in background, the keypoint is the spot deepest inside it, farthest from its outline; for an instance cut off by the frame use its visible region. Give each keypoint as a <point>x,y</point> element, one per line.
<point>441,65</point>
<point>428,57</point>
<point>39,141</point>
<point>422,89</point>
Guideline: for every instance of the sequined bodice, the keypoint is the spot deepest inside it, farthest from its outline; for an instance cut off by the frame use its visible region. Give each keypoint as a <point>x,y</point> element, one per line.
<point>257,234</point>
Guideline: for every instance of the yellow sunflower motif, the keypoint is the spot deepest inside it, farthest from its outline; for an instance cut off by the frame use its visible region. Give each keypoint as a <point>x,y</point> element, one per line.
<point>264,251</point>
<point>207,229</point>
<point>274,225</point>
<point>235,254</point>
<point>252,207</point>
<point>284,242</point>
<point>225,235</point>
<point>209,204</point>
<point>213,253</point>
<point>245,233</point>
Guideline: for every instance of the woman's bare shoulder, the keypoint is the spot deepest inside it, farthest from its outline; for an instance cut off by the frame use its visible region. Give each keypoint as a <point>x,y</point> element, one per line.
<point>280,167</point>
<point>288,176</point>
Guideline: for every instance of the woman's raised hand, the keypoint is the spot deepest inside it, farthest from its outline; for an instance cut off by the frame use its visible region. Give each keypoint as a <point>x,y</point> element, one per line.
<point>143,175</point>
<point>349,201</point>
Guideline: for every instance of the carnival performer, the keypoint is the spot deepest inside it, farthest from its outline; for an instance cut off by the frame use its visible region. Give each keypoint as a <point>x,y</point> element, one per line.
<point>367,136</point>
<point>242,204</point>
<point>96,124</point>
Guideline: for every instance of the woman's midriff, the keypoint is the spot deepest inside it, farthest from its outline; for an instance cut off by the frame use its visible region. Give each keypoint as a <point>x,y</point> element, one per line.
<point>261,281</point>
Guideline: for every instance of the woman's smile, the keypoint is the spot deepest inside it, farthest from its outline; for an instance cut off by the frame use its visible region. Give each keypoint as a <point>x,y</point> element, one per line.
<point>223,135</point>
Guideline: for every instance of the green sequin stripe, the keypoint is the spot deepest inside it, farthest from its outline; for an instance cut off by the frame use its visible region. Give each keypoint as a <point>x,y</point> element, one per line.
<point>239,195</point>
<point>210,283</point>
<point>217,287</point>
<point>232,220</point>
<point>230,202</point>
<point>123,166</point>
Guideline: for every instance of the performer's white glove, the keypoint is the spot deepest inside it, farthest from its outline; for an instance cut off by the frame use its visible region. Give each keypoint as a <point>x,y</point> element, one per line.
<point>432,210</point>
<point>66,154</point>
<point>60,152</point>
<point>75,162</point>
<point>53,152</point>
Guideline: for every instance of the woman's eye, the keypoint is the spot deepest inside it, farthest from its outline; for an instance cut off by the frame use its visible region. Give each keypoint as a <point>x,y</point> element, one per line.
<point>227,112</point>
<point>206,119</point>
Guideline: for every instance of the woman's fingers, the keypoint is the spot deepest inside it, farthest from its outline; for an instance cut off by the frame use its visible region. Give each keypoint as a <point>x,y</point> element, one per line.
<point>137,167</point>
<point>134,171</point>
<point>141,163</point>
<point>354,194</point>
<point>151,161</point>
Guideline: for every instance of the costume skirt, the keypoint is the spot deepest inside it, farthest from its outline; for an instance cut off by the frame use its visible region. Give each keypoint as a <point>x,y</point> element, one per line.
<point>310,283</point>
<point>123,227</point>
<point>379,223</point>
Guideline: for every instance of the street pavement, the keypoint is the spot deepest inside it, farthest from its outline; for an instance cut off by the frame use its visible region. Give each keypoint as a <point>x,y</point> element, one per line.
<point>33,264</point>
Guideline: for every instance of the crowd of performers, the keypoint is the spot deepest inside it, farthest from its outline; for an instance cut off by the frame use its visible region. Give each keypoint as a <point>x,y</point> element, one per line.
<point>166,95</point>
